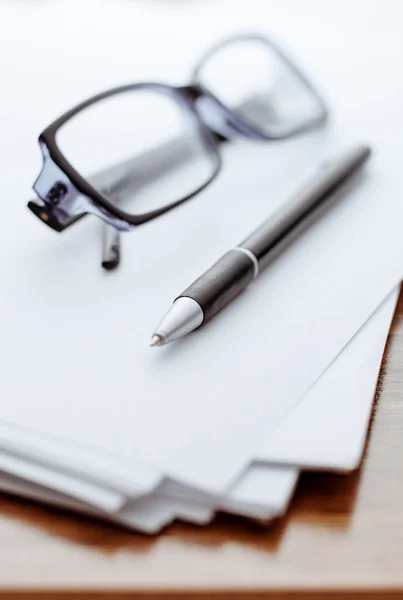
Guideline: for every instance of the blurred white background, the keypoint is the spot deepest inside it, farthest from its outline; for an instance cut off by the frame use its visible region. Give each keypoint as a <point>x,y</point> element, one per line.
<point>54,53</point>
<point>57,50</point>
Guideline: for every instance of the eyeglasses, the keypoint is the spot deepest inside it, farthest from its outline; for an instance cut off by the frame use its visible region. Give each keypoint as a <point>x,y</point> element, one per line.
<point>135,152</point>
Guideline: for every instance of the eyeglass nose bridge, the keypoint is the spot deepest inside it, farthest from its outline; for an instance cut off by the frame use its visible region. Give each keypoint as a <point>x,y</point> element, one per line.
<point>216,116</point>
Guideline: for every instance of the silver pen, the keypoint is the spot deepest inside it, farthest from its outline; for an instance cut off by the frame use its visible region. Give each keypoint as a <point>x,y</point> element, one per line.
<point>218,286</point>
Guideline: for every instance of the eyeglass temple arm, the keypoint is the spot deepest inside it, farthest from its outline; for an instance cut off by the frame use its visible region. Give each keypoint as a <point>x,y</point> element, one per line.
<point>110,247</point>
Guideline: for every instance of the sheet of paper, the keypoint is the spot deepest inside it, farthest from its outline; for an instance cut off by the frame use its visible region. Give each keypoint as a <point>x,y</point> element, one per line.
<point>336,408</point>
<point>151,513</point>
<point>275,484</point>
<point>54,299</point>
<point>127,424</point>
<point>328,427</point>
<point>78,460</point>
<point>146,515</point>
<point>84,490</point>
<point>267,490</point>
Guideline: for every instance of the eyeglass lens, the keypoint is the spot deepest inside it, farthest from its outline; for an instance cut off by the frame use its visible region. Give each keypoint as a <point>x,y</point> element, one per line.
<point>254,81</point>
<point>142,149</point>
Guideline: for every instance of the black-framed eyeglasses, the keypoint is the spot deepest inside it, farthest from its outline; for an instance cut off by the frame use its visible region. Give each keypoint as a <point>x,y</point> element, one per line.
<point>132,153</point>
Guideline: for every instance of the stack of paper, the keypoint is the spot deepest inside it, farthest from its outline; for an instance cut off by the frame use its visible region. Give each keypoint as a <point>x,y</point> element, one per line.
<point>283,380</point>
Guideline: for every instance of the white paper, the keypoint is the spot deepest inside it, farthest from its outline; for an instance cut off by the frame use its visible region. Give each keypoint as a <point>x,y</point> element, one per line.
<point>77,302</point>
<point>275,487</point>
<point>331,275</point>
<point>347,400</point>
<point>147,515</point>
<point>328,427</point>
<point>78,460</point>
<point>87,491</point>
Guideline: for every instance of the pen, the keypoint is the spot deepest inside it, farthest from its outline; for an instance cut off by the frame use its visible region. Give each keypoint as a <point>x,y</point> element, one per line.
<point>218,286</point>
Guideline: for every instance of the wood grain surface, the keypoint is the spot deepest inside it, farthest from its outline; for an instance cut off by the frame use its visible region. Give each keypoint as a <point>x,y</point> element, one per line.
<point>343,536</point>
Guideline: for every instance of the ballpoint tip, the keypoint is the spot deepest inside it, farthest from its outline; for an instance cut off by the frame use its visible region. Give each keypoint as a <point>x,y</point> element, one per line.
<point>157,340</point>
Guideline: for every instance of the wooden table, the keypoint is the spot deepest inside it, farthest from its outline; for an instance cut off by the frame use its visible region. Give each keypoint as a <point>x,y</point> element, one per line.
<point>342,537</point>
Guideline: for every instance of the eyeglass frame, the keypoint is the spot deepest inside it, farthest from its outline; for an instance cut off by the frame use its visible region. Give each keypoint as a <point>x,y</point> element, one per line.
<point>67,196</point>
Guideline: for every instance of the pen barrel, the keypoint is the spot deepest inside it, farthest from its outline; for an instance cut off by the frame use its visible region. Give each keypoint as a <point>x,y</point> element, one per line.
<point>266,241</point>
<point>218,286</point>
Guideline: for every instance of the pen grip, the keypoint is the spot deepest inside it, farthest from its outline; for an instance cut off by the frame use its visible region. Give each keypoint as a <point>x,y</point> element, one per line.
<point>218,286</point>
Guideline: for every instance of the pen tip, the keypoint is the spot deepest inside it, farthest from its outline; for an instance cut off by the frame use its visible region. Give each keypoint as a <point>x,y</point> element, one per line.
<point>157,340</point>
